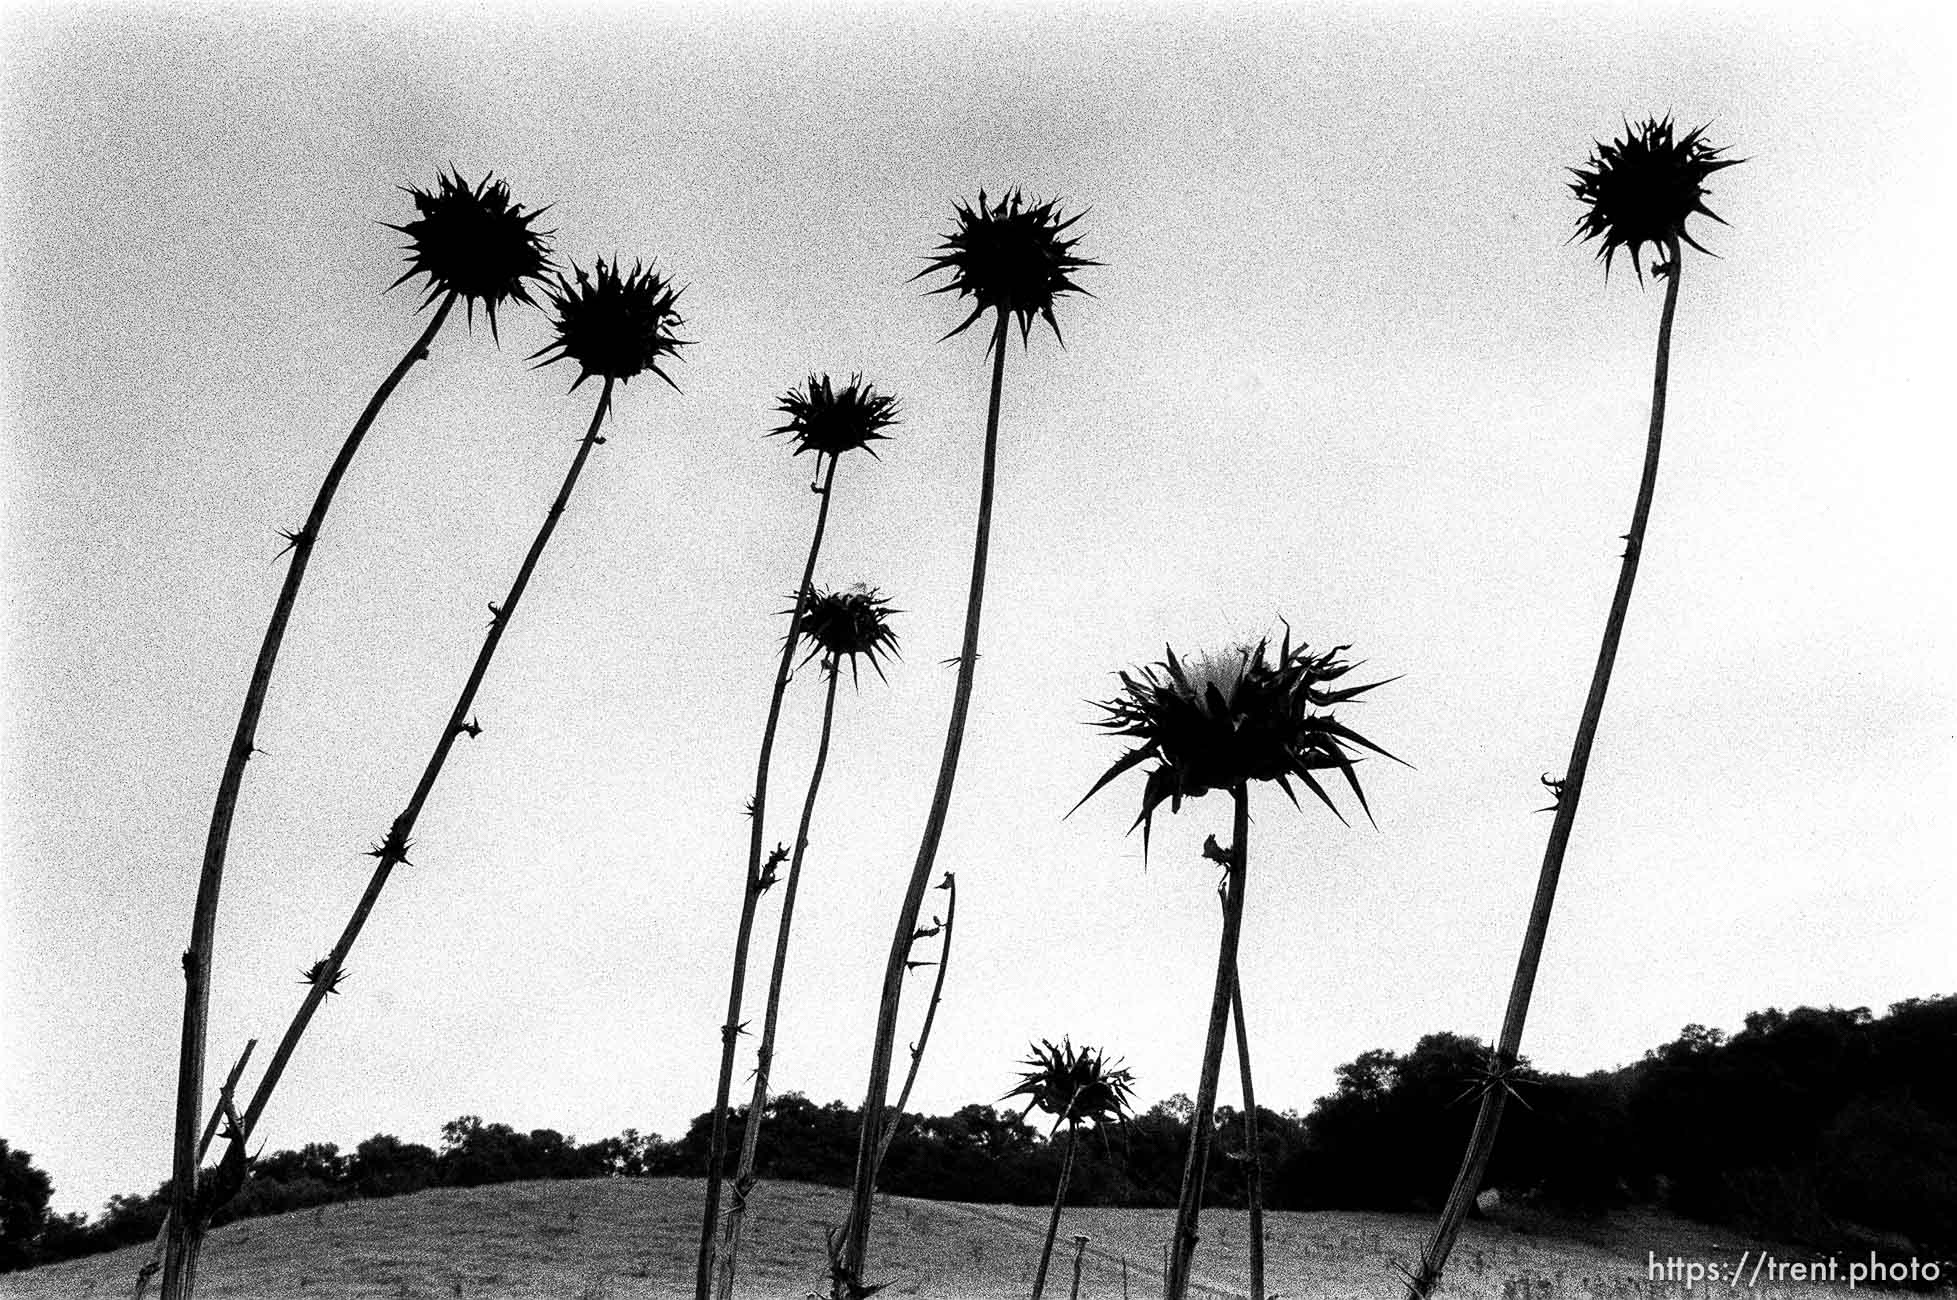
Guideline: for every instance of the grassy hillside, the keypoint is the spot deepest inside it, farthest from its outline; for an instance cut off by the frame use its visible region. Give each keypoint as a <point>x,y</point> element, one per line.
<point>614,1240</point>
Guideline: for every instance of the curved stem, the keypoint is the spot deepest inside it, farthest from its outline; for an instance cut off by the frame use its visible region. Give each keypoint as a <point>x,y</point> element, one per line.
<point>1488,1118</point>
<point>394,848</point>
<point>1202,1125</point>
<point>764,1056</point>
<point>1059,1198</point>
<point>179,1264</point>
<point>750,898</point>
<point>856,1233</point>
<point>1253,1151</point>
<point>950,885</point>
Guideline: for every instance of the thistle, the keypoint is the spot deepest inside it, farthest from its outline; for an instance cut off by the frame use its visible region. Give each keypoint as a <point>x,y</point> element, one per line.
<point>1220,722</point>
<point>1009,257</point>
<point>1076,1087</point>
<point>830,423</point>
<point>614,326</point>
<point>1641,189</point>
<point>851,624</point>
<point>1013,259</point>
<point>845,624</point>
<point>640,310</point>
<point>471,244</point>
<point>1638,190</point>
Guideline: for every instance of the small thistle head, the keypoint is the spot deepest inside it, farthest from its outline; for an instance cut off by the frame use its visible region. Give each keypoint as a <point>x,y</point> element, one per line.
<point>474,243</point>
<point>1640,189</point>
<point>1009,256</point>
<point>615,325</point>
<point>1074,1086</point>
<point>1220,720</point>
<point>830,422</point>
<point>848,624</point>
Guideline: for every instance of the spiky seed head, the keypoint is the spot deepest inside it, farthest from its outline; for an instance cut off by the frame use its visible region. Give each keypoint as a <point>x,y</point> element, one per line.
<point>826,421</point>
<point>1640,189</point>
<point>615,325</point>
<point>849,624</point>
<point>1223,719</point>
<point>1009,256</point>
<point>475,243</point>
<point>1075,1086</point>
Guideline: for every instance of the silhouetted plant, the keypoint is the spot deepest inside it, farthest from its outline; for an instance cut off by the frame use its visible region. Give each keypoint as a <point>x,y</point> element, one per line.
<point>1638,190</point>
<point>1220,723</point>
<point>472,244</point>
<point>1076,1087</point>
<point>829,423</point>
<point>851,624</point>
<point>1011,258</point>
<point>615,327</point>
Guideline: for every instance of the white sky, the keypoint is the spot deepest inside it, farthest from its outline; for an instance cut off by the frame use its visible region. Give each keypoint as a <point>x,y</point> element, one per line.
<point>1340,367</point>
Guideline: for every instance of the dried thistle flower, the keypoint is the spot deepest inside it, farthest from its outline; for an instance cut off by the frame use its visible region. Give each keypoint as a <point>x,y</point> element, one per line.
<point>1009,255</point>
<point>1225,719</point>
<point>850,623</point>
<point>828,422</point>
<point>1641,189</point>
<point>1075,1086</point>
<point>616,326</point>
<point>474,243</point>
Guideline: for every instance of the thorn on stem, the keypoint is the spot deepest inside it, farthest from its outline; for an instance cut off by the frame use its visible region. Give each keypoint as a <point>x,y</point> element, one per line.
<point>471,728</point>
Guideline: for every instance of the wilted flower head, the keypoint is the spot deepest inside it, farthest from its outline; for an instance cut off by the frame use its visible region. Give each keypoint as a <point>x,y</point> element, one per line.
<point>1009,255</point>
<point>1641,189</point>
<point>473,243</point>
<point>828,422</point>
<point>1075,1087</point>
<point>1223,719</point>
<point>613,325</point>
<point>849,623</point>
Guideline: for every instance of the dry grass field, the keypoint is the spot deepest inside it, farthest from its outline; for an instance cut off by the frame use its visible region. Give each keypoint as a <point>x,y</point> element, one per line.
<point>624,1240</point>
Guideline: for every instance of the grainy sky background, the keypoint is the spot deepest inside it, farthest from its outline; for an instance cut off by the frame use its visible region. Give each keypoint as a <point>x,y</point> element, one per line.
<point>1340,367</point>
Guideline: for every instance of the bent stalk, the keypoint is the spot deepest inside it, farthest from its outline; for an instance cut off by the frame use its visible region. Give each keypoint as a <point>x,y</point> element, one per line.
<point>764,1057</point>
<point>750,898</point>
<point>856,1231</point>
<point>1053,1221</point>
<point>1253,1153</point>
<point>326,974</point>
<point>179,1264</point>
<point>1202,1125</point>
<point>950,884</point>
<point>1488,1118</point>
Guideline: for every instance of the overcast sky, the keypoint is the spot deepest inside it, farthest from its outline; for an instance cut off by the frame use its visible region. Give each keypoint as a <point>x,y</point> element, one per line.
<point>1340,367</point>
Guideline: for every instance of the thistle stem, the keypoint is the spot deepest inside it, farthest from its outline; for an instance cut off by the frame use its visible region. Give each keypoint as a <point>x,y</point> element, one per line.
<point>1253,1153</point>
<point>750,898</point>
<point>393,849</point>
<point>179,1261</point>
<point>1059,1198</point>
<point>869,1140</point>
<point>950,886</point>
<point>764,1056</point>
<point>1488,1118</point>
<point>1202,1124</point>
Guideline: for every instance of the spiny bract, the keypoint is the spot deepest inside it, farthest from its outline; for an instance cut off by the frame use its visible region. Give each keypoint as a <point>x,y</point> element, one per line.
<point>1010,256</point>
<point>850,623</point>
<point>473,243</point>
<point>1227,719</point>
<point>616,326</point>
<point>828,422</point>
<point>1073,1086</point>
<point>1641,189</point>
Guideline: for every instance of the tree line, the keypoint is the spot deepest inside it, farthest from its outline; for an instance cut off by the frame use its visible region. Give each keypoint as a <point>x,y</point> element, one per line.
<point>1830,1128</point>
